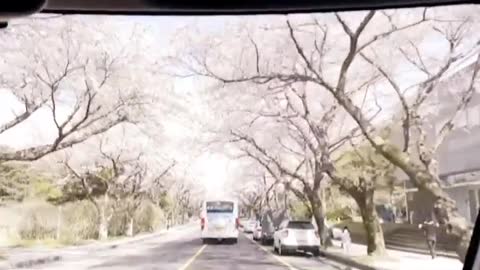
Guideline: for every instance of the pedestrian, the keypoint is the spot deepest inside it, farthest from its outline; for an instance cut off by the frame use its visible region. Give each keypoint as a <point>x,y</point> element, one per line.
<point>394,214</point>
<point>346,239</point>
<point>429,228</point>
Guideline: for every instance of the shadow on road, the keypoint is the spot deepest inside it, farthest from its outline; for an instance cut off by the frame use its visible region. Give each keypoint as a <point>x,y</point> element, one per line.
<point>305,260</point>
<point>245,255</point>
<point>219,242</point>
<point>158,257</point>
<point>242,256</point>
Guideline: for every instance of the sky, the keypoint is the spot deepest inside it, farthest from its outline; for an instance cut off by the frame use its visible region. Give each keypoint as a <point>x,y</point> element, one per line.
<point>211,170</point>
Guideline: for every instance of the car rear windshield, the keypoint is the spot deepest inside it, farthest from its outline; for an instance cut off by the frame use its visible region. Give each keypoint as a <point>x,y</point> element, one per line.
<point>219,207</point>
<point>300,225</point>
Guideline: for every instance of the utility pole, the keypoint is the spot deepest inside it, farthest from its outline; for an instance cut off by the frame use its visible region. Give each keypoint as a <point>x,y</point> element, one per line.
<point>406,201</point>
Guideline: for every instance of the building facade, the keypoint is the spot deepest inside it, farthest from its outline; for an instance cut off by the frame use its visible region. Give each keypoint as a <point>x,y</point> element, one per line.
<point>459,155</point>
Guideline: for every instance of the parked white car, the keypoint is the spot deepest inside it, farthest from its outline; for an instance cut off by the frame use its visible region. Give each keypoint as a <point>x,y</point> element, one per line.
<point>249,226</point>
<point>296,236</point>
<point>257,233</point>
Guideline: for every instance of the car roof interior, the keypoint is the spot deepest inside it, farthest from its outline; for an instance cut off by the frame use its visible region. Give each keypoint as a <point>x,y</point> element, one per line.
<point>227,7</point>
<point>14,8</point>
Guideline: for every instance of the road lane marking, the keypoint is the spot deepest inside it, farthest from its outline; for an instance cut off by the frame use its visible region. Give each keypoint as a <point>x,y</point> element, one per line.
<point>190,261</point>
<point>278,258</point>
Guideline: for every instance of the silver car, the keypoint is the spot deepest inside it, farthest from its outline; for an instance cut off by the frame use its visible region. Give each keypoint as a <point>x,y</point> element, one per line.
<point>249,226</point>
<point>257,233</point>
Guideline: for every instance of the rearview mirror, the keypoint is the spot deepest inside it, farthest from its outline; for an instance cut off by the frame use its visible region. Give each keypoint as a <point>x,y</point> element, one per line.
<point>15,8</point>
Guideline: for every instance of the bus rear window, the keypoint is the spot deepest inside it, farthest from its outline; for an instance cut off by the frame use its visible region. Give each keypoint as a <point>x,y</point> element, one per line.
<point>300,225</point>
<point>219,207</point>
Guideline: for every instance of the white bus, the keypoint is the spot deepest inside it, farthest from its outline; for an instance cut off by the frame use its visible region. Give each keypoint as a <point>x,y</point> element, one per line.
<point>219,220</point>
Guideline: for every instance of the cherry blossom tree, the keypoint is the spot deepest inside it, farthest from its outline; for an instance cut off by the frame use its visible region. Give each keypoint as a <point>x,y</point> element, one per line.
<point>339,56</point>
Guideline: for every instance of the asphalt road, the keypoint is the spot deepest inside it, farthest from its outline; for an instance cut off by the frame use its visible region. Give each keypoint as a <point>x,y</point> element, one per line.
<point>183,250</point>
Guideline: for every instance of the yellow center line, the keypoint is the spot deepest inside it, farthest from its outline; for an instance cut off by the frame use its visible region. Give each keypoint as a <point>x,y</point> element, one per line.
<point>280,260</point>
<point>190,261</point>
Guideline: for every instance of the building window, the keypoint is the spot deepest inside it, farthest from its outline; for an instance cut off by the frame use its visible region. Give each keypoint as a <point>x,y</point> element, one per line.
<point>461,120</point>
<point>473,116</point>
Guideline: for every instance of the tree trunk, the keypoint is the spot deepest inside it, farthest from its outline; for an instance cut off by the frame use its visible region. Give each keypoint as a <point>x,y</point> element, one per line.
<point>103,220</point>
<point>103,227</point>
<point>318,215</point>
<point>59,222</point>
<point>129,229</point>
<point>446,209</point>
<point>275,199</point>
<point>373,229</point>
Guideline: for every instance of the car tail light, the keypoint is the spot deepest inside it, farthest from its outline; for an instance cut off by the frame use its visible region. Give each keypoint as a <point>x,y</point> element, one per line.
<point>237,223</point>
<point>285,233</point>
<point>202,223</point>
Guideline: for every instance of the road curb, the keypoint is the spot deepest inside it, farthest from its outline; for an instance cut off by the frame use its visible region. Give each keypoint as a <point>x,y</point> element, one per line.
<point>126,240</point>
<point>121,242</point>
<point>277,258</point>
<point>347,261</point>
<point>55,258</point>
<point>31,262</point>
<point>143,237</point>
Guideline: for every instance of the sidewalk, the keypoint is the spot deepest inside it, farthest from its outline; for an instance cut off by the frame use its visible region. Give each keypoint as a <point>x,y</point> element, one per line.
<point>394,260</point>
<point>26,257</point>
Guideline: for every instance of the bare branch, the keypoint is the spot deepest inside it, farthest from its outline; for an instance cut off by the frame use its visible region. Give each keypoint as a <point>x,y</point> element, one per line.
<point>461,106</point>
<point>282,169</point>
<point>403,101</point>
<point>83,181</point>
<point>353,36</point>
<point>302,53</point>
<point>394,29</point>
<point>29,110</point>
<point>420,64</point>
<point>289,149</point>
<point>35,153</point>
<point>321,50</point>
<point>257,54</point>
<point>165,171</point>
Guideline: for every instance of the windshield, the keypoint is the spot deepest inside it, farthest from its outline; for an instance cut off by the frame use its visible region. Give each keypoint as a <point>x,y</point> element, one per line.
<point>154,134</point>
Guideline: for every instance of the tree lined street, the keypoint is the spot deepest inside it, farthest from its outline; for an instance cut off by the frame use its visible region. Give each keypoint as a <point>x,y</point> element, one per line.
<point>182,249</point>
<point>355,128</point>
